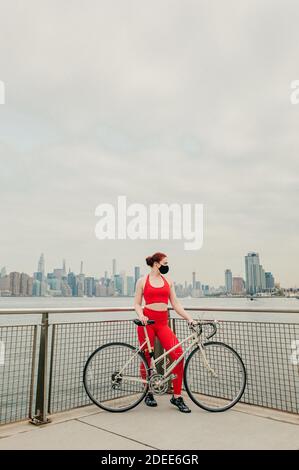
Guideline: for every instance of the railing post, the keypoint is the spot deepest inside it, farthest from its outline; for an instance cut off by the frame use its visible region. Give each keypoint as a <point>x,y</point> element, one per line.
<point>51,368</point>
<point>32,371</point>
<point>42,375</point>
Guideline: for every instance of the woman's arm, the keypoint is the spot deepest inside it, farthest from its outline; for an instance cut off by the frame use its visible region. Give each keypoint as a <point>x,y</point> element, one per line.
<point>138,300</point>
<point>177,305</point>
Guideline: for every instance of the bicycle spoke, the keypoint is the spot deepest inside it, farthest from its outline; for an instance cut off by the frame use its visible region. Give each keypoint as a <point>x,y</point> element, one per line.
<point>112,377</point>
<point>215,380</point>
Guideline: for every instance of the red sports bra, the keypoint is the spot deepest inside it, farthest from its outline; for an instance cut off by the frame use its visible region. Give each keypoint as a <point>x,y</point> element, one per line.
<point>156,294</point>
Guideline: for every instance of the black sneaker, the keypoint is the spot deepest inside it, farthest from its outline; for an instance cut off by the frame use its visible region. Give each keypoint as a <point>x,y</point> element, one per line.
<point>179,402</point>
<point>150,400</point>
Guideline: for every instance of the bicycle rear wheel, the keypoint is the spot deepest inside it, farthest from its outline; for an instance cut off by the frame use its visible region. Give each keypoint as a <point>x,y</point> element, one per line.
<point>112,377</point>
<point>220,388</point>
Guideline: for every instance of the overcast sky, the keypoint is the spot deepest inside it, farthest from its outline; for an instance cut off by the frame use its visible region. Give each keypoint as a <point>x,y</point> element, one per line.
<point>163,101</point>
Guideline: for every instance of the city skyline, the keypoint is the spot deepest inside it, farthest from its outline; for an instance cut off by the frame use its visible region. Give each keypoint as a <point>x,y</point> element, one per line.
<point>240,271</point>
<point>69,282</point>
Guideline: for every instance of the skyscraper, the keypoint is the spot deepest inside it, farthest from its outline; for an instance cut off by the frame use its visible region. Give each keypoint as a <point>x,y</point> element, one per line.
<point>24,284</point>
<point>15,279</point>
<point>71,280</point>
<point>3,272</point>
<point>193,280</point>
<point>130,286</point>
<point>228,281</point>
<point>137,275</point>
<point>118,287</point>
<point>64,268</point>
<point>254,273</point>
<point>113,267</point>
<point>89,286</point>
<point>41,265</point>
<point>123,282</point>
<point>270,283</point>
<point>263,278</point>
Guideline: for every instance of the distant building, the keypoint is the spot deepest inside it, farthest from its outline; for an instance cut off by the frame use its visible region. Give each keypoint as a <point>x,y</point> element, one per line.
<point>64,267</point>
<point>123,282</point>
<point>66,290</point>
<point>41,264</point>
<point>5,285</point>
<point>137,275</point>
<point>3,272</point>
<point>228,281</point>
<point>113,267</point>
<point>263,279</point>
<point>15,283</point>
<point>270,281</point>
<point>253,273</point>
<point>118,286</point>
<point>24,284</point>
<point>80,281</point>
<point>111,288</point>
<point>71,280</point>
<point>193,280</point>
<point>42,287</point>
<point>36,288</point>
<point>130,286</point>
<point>101,290</point>
<point>89,286</point>
<point>238,285</point>
<point>256,278</point>
<point>58,273</point>
<point>205,289</point>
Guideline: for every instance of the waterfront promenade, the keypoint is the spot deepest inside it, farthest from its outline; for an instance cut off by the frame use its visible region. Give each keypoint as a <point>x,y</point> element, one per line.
<point>41,378</point>
<point>163,427</point>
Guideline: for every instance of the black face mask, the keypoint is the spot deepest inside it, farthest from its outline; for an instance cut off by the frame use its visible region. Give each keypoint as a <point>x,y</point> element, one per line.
<point>163,269</point>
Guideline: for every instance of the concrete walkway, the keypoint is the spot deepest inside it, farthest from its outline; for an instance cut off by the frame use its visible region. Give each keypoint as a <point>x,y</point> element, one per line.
<point>163,427</point>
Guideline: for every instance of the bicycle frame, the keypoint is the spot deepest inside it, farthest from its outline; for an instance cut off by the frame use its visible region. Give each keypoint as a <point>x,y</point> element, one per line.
<point>195,337</point>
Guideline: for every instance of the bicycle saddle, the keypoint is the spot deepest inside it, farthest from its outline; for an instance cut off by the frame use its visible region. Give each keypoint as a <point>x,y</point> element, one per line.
<point>139,322</point>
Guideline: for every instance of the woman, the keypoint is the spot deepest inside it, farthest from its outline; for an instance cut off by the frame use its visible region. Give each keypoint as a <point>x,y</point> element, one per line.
<point>156,290</point>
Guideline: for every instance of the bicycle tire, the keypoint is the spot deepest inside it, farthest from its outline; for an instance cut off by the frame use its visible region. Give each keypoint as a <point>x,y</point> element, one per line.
<point>85,381</point>
<point>187,387</point>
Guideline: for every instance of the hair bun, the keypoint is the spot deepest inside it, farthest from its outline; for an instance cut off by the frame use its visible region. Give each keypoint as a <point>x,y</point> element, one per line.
<point>149,260</point>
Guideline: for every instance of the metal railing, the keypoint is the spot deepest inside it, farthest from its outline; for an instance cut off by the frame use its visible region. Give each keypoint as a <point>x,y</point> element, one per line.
<point>43,363</point>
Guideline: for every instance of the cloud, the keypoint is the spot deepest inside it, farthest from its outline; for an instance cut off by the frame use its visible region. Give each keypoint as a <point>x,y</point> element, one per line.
<point>166,102</point>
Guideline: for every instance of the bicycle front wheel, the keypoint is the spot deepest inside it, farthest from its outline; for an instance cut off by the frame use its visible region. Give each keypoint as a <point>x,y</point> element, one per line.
<point>112,377</point>
<point>215,380</point>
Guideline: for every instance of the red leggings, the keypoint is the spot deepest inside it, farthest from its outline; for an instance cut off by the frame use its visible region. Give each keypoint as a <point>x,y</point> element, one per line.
<point>167,339</point>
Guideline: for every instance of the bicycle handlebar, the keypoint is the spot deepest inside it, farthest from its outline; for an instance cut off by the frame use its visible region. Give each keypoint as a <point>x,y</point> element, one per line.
<point>213,323</point>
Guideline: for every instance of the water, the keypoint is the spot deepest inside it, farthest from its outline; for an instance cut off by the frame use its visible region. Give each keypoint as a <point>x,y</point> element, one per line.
<point>209,302</point>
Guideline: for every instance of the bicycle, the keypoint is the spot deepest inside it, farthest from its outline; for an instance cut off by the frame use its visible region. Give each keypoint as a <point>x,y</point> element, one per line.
<point>214,373</point>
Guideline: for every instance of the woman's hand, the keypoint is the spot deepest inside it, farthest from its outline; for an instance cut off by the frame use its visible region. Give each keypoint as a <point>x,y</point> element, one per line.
<point>191,322</point>
<point>143,319</point>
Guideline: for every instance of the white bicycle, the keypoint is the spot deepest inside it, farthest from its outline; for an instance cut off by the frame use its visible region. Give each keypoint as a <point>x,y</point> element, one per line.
<point>214,373</point>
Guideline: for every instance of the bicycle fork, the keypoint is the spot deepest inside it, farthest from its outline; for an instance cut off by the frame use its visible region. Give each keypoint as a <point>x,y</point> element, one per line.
<point>207,365</point>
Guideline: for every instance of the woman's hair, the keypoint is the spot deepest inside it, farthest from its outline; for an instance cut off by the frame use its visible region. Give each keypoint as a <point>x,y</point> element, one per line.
<point>155,257</point>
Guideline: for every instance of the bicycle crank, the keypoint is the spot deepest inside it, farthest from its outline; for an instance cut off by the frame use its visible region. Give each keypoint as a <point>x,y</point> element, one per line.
<point>158,384</point>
